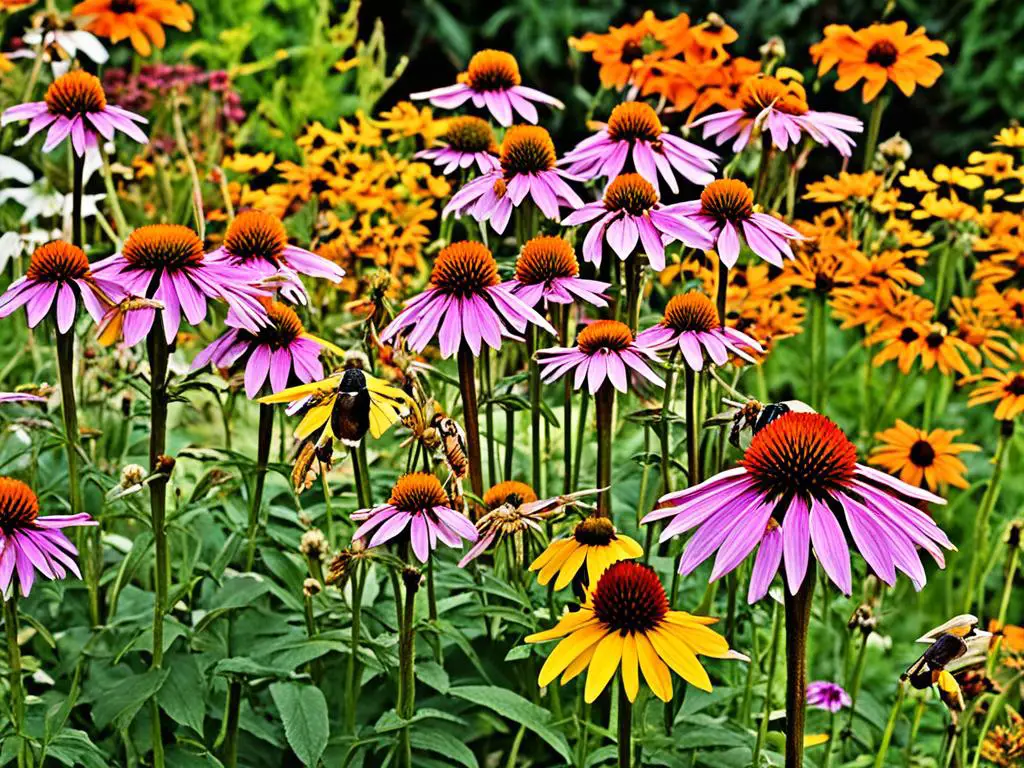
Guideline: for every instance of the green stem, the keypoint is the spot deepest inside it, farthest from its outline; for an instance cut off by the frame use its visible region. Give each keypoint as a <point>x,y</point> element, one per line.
<point>853,687</point>
<point>232,709</point>
<point>605,400</point>
<point>692,427</point>
<point>14,664</point>
<point>406,662</point>
<point>535,430</point>
<point>761,179</point>
<point>874,126</point>
<point>328,510</point>
<point>666,426</point>
<point>722,291</point>
<point>566,410</point>
<point>78,172</point>
<point>581,426</point>
<point>1004,601</point>
<point>979,542</point>
<point>159,355</point>
<point>798,619</point>
<point>352,668</point>
<point>890,725</point>
<point>773,659</point>
<point>486,384</point>
<point>113,200</point>
<point>625,740</point>
<point>263,440</point>
<point>471,419</point>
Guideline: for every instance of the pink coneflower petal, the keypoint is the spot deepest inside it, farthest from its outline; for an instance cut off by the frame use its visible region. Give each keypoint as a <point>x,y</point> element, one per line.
<point>766,564</point>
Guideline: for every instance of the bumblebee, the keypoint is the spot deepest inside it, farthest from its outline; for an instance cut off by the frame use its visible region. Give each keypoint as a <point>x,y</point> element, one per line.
<point>749,418</point>
<point>953,646</point>
<point>344,406</point>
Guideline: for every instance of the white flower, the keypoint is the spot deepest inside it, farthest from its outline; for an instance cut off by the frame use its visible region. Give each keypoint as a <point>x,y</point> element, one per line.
<point>71,42</point>
<point>15,169</point>
<point>39,199</point>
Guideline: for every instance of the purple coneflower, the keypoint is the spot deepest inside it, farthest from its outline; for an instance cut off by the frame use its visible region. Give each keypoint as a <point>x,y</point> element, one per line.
<point>630,212</point>
<point>547,271</point>
<point>256,248</point>
<point>29,542</point>
<point>58,273</point>
<point>165,262</point>
<point>828,696</point>
<point>466,302</point>
<point>491,80</point>
<point>417,511</point>
<point>527,171</point>
<point>20,397</point>
<point>635,125</point>
<point>75,106</point>
<point>780,110</point>
<point>691,323</point>
<point>466,141</point>
<point>604,351</point>
<point>282,351</point>
<point>799,471</point>
<point>726,207</point>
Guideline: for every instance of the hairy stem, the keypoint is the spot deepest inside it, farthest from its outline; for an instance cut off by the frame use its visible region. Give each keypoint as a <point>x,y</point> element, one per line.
<point>263,440</point>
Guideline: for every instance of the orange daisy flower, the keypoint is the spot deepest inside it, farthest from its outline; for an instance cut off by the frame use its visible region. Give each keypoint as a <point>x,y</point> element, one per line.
<point>141,21</point>
<point>1005,388</point>
<point>916,455</point>
<point>880,54</point>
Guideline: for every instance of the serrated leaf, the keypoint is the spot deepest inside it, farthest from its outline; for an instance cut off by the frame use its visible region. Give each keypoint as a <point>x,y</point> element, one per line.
<point>303,711</point>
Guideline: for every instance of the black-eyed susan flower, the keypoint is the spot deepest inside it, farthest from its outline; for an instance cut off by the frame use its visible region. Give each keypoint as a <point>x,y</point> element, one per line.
<point>625,623</point>
<point>343,406</point>
<point>594,544</point>
<point>140,21</point>
<point>1004,388</point>
<point>918,456</point>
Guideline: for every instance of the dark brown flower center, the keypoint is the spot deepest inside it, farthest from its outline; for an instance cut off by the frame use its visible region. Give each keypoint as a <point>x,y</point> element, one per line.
<point>802,454</point>
<point>883,53</point>
<point>75,93</point>
<point>284,328</point>
<point>630,598</point>
<point>256,235</point>
<point>1016,385</point>
<point>470,134</point>
<point>604,334</point>
<point>545,258</point>
<point>691,311</point>
<point>527,149</point>
<point>908,335</point>
<point>491,70</point>
<point>594,531</point>
<point>727,200</point>
<point>57,261</point>
<point>465,268</point>
<point>634,120</point>
<point>631,193</point>
<point>163,246</point>
<point>417,492</point>
<point>922,454</point>
<point>19,506</point>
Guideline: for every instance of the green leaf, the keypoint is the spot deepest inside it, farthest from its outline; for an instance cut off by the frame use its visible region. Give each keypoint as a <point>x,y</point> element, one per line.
<point>120,704</point>
<point>518,653</point>
<point>72,747</point>
<point>433,740</point>
<point>518,710</point>
<point>183,697</point>
<point>433,674</point>
<point>237,592</point>
<point>303,711</point>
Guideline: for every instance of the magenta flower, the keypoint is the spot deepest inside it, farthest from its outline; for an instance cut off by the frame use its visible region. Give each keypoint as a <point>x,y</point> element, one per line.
<point>465,303</point>
<point>29,543</point>
<point>630,213</point>
<point>691,324</point>
<point>726,207</point>
<point>165,262</point>
<point>466,141</point>
<point>799,472</point>
<point>781,111</point>
<point>634,125</point>
<point>281,351</point>
<point>604,351</point>
<point>547,271</point>
<point>828,696</point>
<point>58,274</point>
<point>256,249</point>
<point>527,171</point>
<point>75,106</point>
<point>491,80</point>
<point>419,512</point>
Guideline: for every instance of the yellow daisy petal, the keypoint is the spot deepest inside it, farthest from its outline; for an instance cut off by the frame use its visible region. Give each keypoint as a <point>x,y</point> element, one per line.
<point>655,672</point>
<point>549,552</point>
<point>570,622</point>
<point>571,565</point>
<point>630,671</point>
<point>315,418</point>
<point>569,649</point>
<point>581,663</point>
<point>602,667</point>
<point>629,547</point>
<point>680,658</point>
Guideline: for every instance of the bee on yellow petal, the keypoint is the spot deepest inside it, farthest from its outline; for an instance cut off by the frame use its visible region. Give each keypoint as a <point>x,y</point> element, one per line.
<point>625,625</point>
